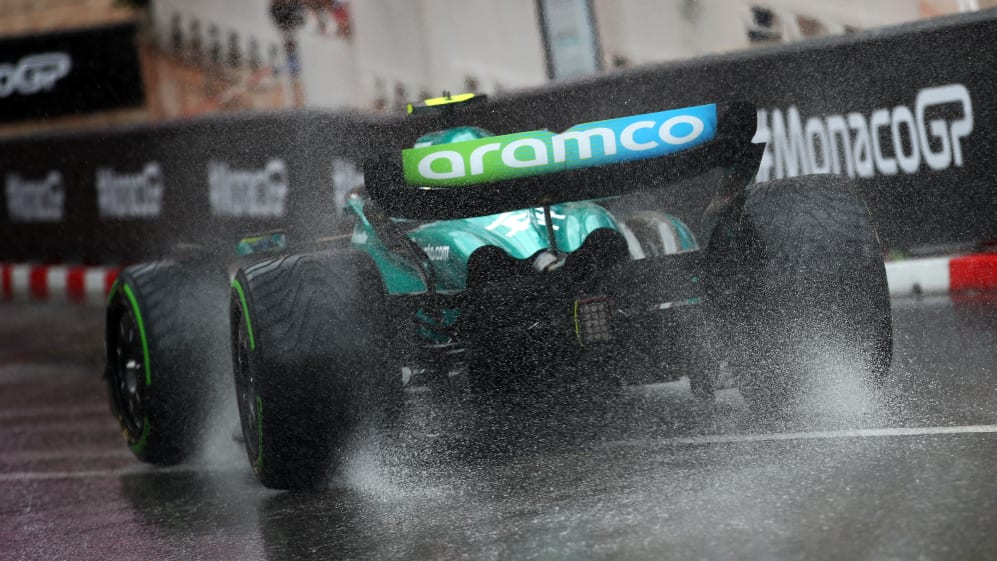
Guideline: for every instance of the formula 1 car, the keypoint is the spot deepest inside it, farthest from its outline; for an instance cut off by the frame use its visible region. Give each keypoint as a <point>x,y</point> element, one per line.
<point>503,256</point>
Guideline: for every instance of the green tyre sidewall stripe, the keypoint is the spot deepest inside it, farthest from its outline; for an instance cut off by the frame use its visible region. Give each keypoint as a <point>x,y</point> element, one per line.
<point>141,331</point>
<point>245,313</point>
<point>139,446</point>
<point>113,292</point>
<point>258,463</point>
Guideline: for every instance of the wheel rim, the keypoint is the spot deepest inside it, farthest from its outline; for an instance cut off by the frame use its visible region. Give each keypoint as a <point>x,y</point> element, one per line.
<point>129,365</point>
<point>246,390</point>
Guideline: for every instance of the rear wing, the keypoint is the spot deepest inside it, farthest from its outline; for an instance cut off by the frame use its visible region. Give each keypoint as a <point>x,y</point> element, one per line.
<point>588,161</point>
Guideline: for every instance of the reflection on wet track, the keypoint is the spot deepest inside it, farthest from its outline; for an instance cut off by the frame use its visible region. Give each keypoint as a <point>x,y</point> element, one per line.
<point>856,473</point>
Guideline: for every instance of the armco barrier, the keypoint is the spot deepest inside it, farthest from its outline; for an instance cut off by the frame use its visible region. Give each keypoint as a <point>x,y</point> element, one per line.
<point>910,112</point>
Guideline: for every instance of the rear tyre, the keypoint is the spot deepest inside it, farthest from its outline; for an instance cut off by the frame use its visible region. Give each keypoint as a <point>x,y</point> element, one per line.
<point>165,339</point>
<point>308,346</point>
<point>798,278</point>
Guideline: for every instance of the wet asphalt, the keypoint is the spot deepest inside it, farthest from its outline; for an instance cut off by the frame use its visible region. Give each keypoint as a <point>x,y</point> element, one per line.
<point>904,472</point>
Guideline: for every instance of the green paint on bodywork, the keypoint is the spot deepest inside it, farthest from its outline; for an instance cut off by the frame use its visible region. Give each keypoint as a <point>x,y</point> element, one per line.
<point>141,333</point>
<point>450,243</point>
<point>686,240</point>
<point>435,330</point>
<point>245,313</point>
<point>139,446</point>
<point>447,136</point>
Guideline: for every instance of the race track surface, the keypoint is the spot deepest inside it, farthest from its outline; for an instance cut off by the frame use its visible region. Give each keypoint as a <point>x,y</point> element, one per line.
<point>902,473</point>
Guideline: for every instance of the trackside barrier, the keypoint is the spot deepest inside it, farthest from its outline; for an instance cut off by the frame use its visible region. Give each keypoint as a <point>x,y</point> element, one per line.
<point>910,112</point>
<point>963,274</point>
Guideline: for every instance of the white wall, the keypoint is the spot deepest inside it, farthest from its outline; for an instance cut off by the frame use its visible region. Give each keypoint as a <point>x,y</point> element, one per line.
<point>497,43</point>
<point>402,50</point>
<point>429,46</point>
<point>421,46</point>
<point>249,18</point>
<point>389,48</point>
<point>329,75</point>
<point>649,31</point>
<point>858,13</point>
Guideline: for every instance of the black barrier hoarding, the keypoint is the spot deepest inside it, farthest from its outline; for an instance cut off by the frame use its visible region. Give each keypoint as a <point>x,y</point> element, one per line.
<point>910,112</point>
<point>138,192</point>
<point>78,71</point>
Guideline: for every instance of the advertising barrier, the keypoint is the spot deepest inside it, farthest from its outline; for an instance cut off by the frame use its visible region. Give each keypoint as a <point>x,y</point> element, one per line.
<point>79,71</point>
<point>136,192</point>
<point>909,112</point>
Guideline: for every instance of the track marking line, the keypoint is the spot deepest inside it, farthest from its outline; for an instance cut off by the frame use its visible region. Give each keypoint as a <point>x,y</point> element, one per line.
<point>808,435</point>
<point>666,442</point>
<point>88,427</point>
<point>46,411</point>
<point>85,474</point>
<point>28,456</point>
<point>17,476</point>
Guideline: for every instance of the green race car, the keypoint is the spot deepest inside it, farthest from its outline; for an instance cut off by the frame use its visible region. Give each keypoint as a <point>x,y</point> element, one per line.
<point>507,259</point>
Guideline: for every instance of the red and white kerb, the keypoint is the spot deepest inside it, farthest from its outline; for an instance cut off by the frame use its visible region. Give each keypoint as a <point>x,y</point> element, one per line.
<point>67,283</point>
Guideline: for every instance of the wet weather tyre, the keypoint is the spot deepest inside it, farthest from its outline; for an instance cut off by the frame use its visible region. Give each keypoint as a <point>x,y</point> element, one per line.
<point>799,282</point>
<point>166,332</point>
<point>308,344</point>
